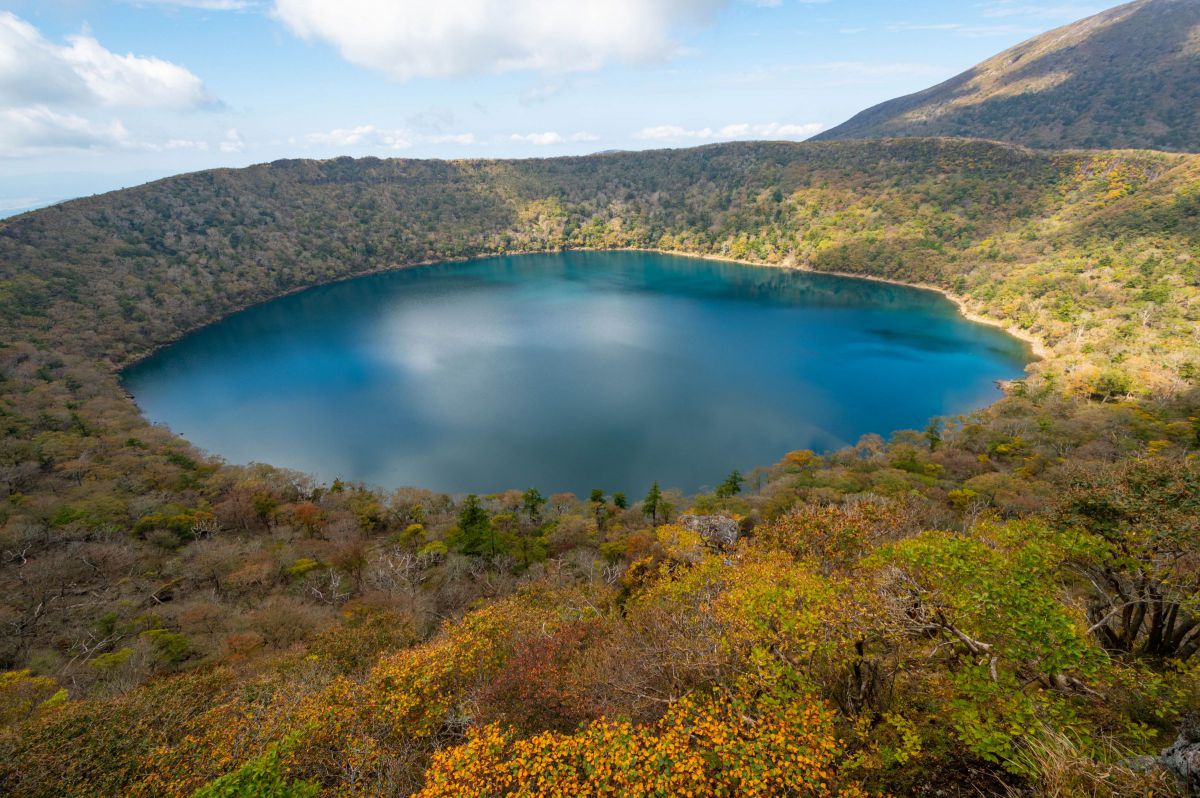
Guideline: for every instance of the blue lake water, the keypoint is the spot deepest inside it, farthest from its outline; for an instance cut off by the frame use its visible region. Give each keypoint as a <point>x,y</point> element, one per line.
<point>570,371</point>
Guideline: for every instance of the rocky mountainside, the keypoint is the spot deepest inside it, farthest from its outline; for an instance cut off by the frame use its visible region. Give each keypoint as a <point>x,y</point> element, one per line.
<point>1126,78</point>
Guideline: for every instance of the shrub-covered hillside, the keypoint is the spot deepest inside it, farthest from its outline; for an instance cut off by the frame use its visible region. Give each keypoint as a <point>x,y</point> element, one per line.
<point>1005,602</point>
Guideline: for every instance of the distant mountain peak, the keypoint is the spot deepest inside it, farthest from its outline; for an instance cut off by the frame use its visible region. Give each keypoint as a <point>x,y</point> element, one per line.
<point>1128,77</point>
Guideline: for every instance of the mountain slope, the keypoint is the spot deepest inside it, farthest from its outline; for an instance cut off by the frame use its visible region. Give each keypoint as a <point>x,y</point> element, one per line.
<point>1126,78</point>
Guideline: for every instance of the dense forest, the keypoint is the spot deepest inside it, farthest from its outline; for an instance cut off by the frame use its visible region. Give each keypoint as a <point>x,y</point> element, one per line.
<point>1005,602</point>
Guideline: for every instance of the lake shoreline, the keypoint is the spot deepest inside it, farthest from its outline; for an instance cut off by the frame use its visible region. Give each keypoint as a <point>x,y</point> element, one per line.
<point>567,367</point>
<point>1036,346</point>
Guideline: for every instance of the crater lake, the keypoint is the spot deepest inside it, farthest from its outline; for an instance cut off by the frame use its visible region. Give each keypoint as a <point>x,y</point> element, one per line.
<point>570,371</point>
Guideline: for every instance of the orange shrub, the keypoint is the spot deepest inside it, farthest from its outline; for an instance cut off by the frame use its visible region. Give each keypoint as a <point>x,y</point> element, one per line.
<point>719,744</point>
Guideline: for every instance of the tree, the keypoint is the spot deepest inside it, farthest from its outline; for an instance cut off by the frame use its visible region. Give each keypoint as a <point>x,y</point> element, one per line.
<point>732,485</point>
<point>600,509</point>
<point>529,544</point>
<point>1142,554</point>
<point>619,500</point>
<point>988,605</point>
<point>532,502</point>
<point>475,534</point>
<point>1112,383</point>
<point>650,504</point>
<point>933,434</point>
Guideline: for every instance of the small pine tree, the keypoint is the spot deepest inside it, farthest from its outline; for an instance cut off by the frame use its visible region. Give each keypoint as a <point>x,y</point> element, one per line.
<point>652,502</point>
<point>732,485</point>
<point>619,500</point>
<point>599,508</point>
<point>475,534</point>
<point>532,502</point>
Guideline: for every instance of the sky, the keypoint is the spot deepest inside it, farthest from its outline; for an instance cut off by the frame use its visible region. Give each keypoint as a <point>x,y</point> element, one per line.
<point>96,96</point>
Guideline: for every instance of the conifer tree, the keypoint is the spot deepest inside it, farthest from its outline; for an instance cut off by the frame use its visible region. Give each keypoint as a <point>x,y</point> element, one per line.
<point>475,534</point>
<point>732,485</point>
<point>652,502</point>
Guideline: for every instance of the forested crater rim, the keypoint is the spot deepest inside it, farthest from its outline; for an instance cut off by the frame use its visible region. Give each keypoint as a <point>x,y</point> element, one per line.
<point>1037,348</point>
<point>771,204</point>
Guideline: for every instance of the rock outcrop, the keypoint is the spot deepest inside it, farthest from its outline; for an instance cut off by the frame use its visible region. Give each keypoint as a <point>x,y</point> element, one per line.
<point>716,530</point>
<point>1183,757</point>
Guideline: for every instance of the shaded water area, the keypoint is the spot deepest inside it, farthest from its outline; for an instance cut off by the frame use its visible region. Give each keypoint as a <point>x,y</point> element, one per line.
<point>570,371</point>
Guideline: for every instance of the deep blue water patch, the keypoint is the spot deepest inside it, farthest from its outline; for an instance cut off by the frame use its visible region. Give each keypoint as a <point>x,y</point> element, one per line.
<point>570,371</point>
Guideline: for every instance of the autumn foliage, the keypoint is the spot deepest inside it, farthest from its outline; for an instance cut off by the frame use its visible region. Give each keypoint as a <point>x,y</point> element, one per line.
<point>722,744</point>
<point>1005,602</point>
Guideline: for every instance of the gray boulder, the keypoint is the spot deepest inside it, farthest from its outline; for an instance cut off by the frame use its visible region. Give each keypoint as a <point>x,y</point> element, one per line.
<point>1183,757</point>
<point>716,530</point>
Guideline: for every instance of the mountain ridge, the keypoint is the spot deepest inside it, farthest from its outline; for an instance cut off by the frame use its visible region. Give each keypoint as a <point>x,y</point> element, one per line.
<point>1126,78</point>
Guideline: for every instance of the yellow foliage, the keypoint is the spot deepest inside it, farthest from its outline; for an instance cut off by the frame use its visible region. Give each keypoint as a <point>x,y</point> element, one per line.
<point>683,545</point>
<point>801,458</point>
<point>735,743</point>
<point>354,731</point>
<point>23,695</point>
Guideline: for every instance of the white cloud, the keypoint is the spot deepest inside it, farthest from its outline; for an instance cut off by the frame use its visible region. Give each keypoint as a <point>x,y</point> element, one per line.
<point>344,136</point>
<point>375,137</point>
<point>38,130</point>
<point>34,71</point>
<point>552,137</point>
<point>185,144</point>
<point>448,38</point>
<point>204,5</point>
<point>673,132</point>
<point>770,130</point>
<point>232,142</point>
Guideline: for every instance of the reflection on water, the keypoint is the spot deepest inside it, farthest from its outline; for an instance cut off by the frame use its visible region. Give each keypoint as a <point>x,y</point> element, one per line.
<point>570,371</point>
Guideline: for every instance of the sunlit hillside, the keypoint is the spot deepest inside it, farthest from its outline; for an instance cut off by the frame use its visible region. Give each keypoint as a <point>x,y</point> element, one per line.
<point>1125,78</point>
